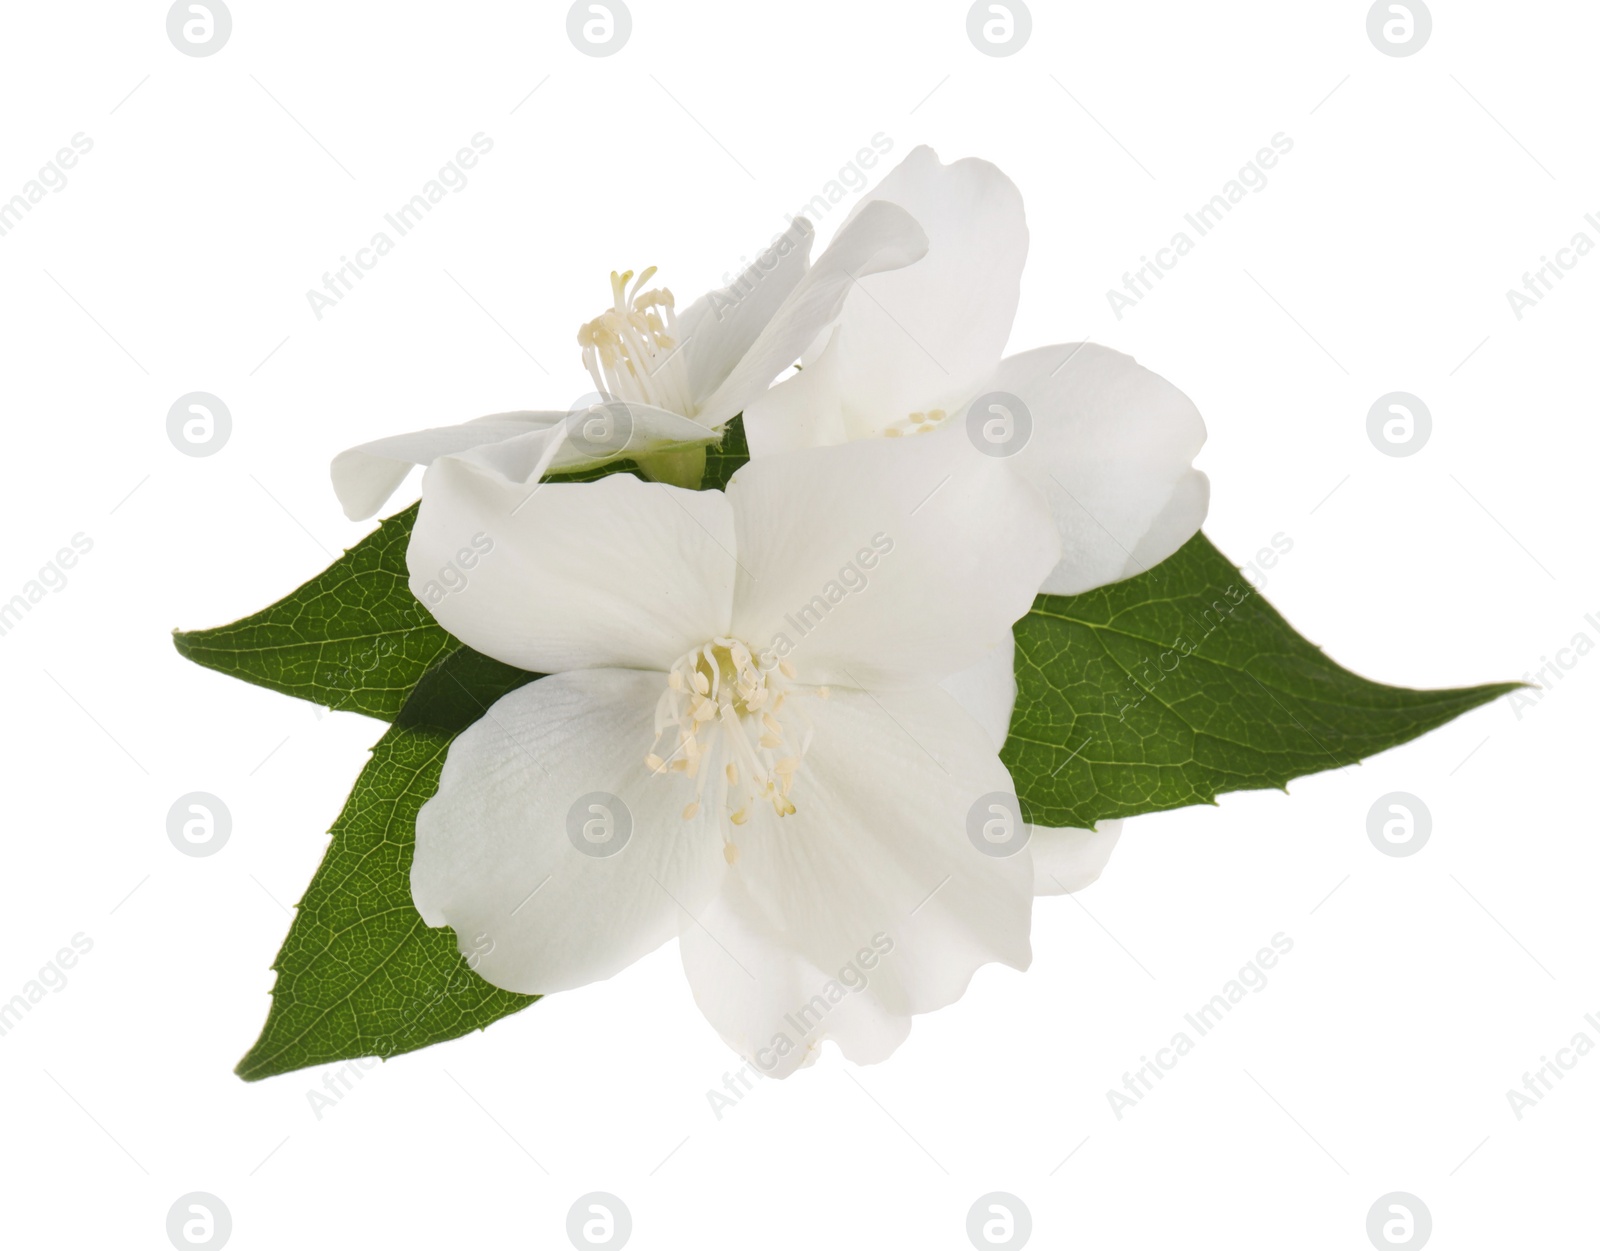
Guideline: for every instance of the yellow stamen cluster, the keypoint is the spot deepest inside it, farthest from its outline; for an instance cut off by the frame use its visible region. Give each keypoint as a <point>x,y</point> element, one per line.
<point>734,736</point>
<point>631,349</point>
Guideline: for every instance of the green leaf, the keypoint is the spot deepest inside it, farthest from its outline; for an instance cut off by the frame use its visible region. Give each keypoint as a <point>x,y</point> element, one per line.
<point>1182,683</point>
<point>361,973</point>
<point>353,638</point>
<point>726,457</point>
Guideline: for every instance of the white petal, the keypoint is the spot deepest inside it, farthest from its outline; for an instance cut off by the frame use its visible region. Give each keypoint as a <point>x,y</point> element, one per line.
<point>1178,522</point>
<point>509,444</point>
<point>719,328</point>
<point>588,437</point>
<point>886,562</point>
<point>553,576</point>
<point>878,238</point>
<point>988,690</point>
<point>755,991</point>
<point>367,475</point>
<point>926,336</point>
<point>1112,445</point>
<point>1066,860</point>
<point>496,859</point>
<point>802,411</point>
<point>872,881</point>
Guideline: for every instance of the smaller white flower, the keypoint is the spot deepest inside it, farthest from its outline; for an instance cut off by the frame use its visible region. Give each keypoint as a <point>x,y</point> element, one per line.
<point>744,695</point>
<point>1110,443</point>
<point>667,382</point>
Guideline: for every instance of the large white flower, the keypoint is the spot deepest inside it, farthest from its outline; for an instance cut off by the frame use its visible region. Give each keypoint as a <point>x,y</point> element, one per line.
<point>667,383</point>
<point>744,706</point>
<point>1111,444</point>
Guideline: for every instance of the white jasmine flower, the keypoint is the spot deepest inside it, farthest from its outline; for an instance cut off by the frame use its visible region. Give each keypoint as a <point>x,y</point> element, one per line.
<point>1111,444</point>
<point>667,382</point>
<point>744,702</point>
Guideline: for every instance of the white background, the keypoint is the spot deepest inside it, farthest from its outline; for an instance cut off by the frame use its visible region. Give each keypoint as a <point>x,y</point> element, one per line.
<point>1418,992</point>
